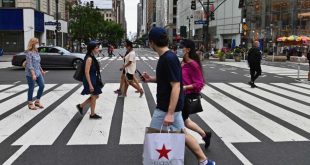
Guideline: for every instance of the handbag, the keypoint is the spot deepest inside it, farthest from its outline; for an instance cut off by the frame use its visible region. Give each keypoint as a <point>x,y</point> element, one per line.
<point>99,82</point>
<point>79,73</point>
<point>192,103</point>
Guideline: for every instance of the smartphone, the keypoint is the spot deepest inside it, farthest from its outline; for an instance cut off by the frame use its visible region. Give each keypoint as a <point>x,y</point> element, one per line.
<point>140,75</point>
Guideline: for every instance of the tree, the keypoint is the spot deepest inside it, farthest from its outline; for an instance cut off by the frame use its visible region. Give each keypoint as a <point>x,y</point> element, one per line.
<point>87,23</point>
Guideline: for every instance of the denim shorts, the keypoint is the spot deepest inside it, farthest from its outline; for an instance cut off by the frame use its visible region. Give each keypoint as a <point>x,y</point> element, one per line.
<point>158,120</point>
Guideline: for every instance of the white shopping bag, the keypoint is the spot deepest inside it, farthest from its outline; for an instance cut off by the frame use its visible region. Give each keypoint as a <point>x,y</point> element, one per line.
<point>163,148</point>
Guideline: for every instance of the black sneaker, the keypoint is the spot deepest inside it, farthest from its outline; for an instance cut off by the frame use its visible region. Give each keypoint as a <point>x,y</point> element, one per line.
<point>95,116</point>
<point>252,84</point>
<point>207,139</point>
<point>78,107</point>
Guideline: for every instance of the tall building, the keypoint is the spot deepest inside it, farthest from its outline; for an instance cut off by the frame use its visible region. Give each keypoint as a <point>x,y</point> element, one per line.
<point>224,31</point>
<point>21,20</point>
<point>118,8</point>
<point>150,14</point>
<point>166,17</point>
<point>139,19</point>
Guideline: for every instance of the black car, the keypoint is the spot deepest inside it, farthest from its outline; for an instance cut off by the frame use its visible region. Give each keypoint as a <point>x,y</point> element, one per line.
<point>52,56</point>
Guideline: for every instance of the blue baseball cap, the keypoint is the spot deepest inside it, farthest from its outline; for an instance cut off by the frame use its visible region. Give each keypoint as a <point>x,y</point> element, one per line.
<point>93,43</point>
<point>157,33</point>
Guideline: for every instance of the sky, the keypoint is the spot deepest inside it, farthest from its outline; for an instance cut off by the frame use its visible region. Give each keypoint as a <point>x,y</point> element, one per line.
<point>130,12</point>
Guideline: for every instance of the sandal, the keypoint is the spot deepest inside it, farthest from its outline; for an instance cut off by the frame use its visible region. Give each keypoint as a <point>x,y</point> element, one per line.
<point>38,104</point>
<point>31,106</point>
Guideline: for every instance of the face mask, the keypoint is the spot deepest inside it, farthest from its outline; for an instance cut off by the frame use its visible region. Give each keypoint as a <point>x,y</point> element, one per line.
<point>37,46</point>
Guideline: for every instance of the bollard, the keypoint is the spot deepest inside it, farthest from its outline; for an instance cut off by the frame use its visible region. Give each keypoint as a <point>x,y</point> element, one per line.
<point>298,68</point>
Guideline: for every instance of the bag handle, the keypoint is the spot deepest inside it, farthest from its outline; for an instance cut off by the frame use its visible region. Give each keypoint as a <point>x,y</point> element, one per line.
<point>161,128</point>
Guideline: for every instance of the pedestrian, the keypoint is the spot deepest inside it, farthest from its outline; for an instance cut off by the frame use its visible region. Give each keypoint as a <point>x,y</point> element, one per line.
<point>130,66</point>
<point>34,73</point>
<point>169,95</point>
<point>193,83</point>
<point>308,57</point>
<point>91,76</point>
<point>254,60</point>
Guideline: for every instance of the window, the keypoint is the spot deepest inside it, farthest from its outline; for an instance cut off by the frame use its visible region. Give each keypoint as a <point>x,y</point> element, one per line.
<point>175,2</point>
<point>174,11</point>
<point>8,3</point>
<point>53,50</point>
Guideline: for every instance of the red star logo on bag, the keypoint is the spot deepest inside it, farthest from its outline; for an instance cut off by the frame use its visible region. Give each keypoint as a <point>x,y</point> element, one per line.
<point>163,152</point>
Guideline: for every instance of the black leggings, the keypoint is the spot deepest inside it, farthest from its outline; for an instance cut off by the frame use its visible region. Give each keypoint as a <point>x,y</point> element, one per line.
<point>255,73</point>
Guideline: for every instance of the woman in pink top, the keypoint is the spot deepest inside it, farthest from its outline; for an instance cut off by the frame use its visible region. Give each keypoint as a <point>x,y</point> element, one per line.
<point>193,83</point>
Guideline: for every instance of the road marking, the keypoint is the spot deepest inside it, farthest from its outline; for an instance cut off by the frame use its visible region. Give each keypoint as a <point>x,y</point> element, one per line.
<point>302,85</point>
<point>144,58</point>
<point>16,82</point>
<point>136,117</point>
<point>233,72</point>
<point>277,77</point>
<point>290,117</point>
<point>4,87</point>
<point>91,132</point>
<point>275,98</point>
<point>239,155</point>
<point>13,91</point>
<point>13,102</point>
<point>298,89</point>
<point>16,120</point>
<point>49,128</point>
<point>223,126</point>
<point>269,128</point>
<point>16,155</point>
<point>151,58</point>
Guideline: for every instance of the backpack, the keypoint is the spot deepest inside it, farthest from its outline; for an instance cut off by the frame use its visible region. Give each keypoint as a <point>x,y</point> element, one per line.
<point>79,73</point>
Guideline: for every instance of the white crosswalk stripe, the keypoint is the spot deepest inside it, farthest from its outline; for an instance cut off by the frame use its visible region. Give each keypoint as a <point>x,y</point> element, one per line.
<point>136,114</point>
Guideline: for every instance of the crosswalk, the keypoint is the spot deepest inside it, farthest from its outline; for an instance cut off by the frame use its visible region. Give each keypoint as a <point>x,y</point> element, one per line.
<point>138,58</point>
<point>286,72</point>
<point>233,111</point>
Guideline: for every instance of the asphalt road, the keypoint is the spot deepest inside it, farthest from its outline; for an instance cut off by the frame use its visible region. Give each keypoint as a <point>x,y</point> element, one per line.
<point>267,125</point>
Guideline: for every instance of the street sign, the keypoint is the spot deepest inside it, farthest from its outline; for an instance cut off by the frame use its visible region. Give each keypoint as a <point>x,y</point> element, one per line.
<point>52,23</point>
<point>200,22</point>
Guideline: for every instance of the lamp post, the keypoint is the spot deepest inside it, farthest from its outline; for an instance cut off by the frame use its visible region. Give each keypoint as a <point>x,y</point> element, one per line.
<point>56,30</point>
<point>189,26</point>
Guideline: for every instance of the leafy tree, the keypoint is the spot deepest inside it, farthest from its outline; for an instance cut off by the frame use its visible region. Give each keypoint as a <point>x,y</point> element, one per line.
<point>87,23</point>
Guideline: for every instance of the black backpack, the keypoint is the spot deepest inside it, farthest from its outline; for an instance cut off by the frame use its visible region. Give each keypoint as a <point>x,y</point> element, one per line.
<point>79,73</point>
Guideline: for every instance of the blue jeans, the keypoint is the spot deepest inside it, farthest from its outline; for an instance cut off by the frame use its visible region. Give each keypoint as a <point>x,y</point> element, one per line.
<point>40,82</point>
<point>158,121</point>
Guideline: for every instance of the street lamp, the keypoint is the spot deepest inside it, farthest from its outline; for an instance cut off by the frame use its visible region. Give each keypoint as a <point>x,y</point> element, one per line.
<point>189,25</point>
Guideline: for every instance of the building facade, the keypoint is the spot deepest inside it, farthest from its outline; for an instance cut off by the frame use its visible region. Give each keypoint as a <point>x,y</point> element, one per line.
<point>29,20</point>
<point>139,19</point>
<point>266,20</point>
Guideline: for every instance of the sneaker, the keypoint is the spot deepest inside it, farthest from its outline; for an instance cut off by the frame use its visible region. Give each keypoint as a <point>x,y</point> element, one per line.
<point>78,107</point>
<point>207,139</point>
<point>209,162</point>
<point>252,84</point>
<point>117,91</point>
<point>95,116</point>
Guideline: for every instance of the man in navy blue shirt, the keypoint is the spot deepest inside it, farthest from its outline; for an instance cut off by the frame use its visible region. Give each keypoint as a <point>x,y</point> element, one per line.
<point>169,96</point>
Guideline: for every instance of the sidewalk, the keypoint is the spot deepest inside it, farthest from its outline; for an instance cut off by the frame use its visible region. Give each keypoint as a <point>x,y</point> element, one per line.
<point>6,58</point>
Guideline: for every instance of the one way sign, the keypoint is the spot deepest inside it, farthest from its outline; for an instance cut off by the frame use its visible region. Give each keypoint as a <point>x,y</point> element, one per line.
<point>200,22</point>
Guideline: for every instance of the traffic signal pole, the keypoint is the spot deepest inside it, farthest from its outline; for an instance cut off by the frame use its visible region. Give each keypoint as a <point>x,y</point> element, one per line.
<point>56,30</point>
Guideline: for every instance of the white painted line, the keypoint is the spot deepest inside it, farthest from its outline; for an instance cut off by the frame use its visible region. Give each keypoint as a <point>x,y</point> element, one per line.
<point>144,58</point>
<point>224,127</point>
<point>4,87</point>
<point>5,65</point>
<point>290,117</point>
<point>90,132</point>
<point>233,72</point>
<point>49,128</point>
<point>275,98</point>
<point>277,77</point>
<point>156,58</point>
<point>16,82</point>
<point>302,85</point>
<point>137,58</point>
<point>104,58</point>
<point>136,117</point>
<point>239,155</point>
<point>16,120</point>
<point>112,58</point>
<point>152,58</point>
<point>13,102</point>
<point>300,76</point>
<point>269,128</point>
<point>223,70</point>
<point>291,87</point>
<point>13,91</point>
<point>16,155</point>
<point>211,67</point>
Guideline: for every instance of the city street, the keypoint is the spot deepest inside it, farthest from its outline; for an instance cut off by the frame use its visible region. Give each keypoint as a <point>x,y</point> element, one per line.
<point>265,125</point>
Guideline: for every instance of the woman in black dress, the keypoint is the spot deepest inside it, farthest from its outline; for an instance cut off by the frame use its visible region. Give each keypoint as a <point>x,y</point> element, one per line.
<point>91,79</point>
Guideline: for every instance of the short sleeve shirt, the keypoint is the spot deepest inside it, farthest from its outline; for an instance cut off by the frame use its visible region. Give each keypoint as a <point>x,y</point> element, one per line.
<point>131,56</point>
<point>168,70</point>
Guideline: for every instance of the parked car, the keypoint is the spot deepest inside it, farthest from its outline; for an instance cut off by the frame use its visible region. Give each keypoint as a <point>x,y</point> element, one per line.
<point>52,56</point>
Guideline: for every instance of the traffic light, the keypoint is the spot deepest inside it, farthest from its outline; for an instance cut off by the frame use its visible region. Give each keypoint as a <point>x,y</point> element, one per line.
<point>193,5</point>
<point>183,31</point>
<point>212,16</point>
